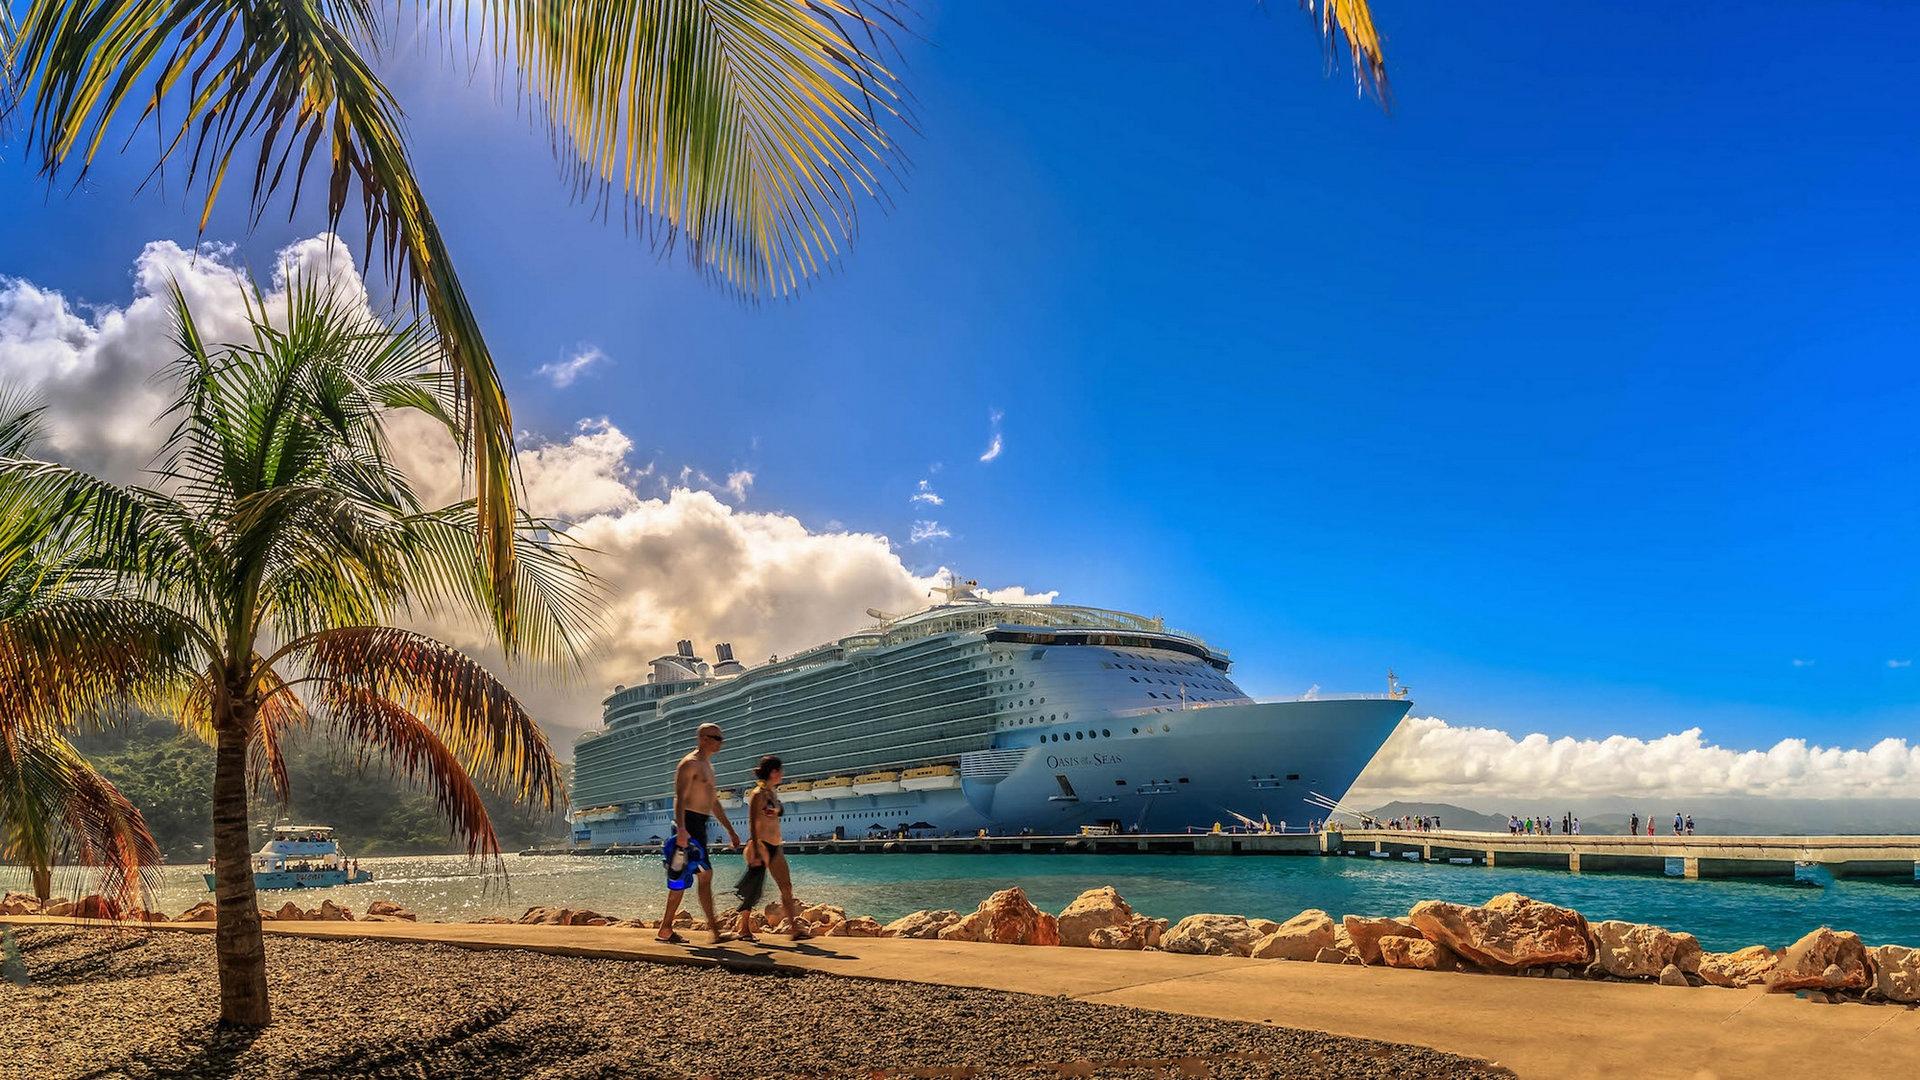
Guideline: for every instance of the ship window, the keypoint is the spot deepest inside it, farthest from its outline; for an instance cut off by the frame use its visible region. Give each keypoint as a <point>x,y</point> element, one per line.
<point>1293,776</point>
<point>1183,779</point>
<point>1136,731</point>
<point>1104,733</point>
<point>1132,679</point>
<point>1077,735</point>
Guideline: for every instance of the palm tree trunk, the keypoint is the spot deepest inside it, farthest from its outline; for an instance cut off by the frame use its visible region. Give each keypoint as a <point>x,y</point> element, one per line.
<point>43,882</point>
<point>241,953</point>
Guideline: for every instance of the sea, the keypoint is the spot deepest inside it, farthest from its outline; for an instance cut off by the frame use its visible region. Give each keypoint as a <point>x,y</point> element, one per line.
<point>1724,914</point>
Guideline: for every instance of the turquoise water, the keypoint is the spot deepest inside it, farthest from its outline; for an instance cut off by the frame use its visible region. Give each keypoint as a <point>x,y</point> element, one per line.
<point>1724,914</point>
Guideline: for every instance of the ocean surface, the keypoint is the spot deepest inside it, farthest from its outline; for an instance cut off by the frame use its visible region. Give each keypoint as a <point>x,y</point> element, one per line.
<point>1723,914</point>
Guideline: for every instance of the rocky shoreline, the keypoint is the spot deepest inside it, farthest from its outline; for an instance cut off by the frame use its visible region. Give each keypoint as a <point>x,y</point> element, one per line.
<point>1509,935</point>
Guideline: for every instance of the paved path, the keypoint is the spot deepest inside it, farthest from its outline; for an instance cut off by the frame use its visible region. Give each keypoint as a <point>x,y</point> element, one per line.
<point>1547,1028</point>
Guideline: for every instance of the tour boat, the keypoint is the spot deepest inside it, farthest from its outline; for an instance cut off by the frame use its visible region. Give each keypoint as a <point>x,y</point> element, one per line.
<point>302,857</point>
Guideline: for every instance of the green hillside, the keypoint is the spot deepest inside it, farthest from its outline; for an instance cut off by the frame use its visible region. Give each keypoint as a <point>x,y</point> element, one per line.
<point>168,775</point>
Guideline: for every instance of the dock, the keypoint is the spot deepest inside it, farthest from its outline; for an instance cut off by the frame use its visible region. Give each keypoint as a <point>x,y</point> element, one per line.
<point>1895,857</point>
<point>1891,857</point>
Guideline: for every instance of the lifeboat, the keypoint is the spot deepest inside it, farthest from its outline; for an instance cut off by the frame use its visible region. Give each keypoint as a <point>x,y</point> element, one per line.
<point>885,782</point>
<point>796,791</point>
<point>833,787</point>
<point>930,778</point>
<point>729,797</point>
<point>600,813</point>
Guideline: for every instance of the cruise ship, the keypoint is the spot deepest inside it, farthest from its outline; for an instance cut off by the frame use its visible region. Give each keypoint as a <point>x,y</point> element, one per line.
<point>973,714</point>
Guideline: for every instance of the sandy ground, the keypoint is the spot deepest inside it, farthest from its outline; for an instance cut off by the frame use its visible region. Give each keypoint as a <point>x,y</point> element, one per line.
<point>104,1003</point>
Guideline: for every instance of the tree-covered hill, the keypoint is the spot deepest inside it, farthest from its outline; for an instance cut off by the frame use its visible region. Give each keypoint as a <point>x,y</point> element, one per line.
<point>169,774</point>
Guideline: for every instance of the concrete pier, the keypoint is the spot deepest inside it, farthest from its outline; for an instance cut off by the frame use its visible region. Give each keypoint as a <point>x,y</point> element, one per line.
<point>1893,857</point>
<point>1889,857</point>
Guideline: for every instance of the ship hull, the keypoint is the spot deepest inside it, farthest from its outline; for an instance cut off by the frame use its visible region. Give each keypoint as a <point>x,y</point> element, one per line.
<point>1158,772</point>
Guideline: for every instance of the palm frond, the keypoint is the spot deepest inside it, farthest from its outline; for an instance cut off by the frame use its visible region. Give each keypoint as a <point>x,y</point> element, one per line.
<point>476,717</point>
<point>285,77</point>
<point>52,802</point>
<point>389,733</point>
<point>1352,20</point>
<point>751,130</point>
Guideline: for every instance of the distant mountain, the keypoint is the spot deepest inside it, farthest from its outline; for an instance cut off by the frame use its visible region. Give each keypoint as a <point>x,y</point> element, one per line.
<point>1451,816</point>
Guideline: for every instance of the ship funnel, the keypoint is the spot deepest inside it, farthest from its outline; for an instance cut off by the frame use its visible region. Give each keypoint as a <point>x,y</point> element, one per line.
<point>683,647</point>
<point>723,661</point>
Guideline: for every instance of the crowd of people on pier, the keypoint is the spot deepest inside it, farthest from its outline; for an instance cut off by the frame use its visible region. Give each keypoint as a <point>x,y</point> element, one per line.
<point>1568,825</point>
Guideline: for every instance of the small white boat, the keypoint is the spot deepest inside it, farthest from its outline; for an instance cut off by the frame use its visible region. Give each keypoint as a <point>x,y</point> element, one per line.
<point>796,791</point>
<point>884,782</point>
<point>301,857</point>
<point>930,778</point>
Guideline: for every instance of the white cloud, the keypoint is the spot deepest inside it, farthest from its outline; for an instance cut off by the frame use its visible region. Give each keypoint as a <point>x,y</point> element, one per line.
<point>738,483</point>
<point>1798,662</point>
<point>564,373</point>
<point>927,495</point>
<point>1899,663</point>
<point>995,444</point>
<point>95,371</point>
<point>674,560</point>
<point>923,531</point>
<point>1429,758</point>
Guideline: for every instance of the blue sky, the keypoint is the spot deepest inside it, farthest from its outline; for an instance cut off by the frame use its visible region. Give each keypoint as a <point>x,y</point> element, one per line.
<point>1579,389</point>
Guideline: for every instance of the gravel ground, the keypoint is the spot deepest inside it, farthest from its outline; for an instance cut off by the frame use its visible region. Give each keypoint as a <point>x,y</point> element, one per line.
<point>96,1003</point>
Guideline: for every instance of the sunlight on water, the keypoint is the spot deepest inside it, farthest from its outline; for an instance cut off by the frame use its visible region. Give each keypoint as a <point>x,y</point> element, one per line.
<point>1724,914</point>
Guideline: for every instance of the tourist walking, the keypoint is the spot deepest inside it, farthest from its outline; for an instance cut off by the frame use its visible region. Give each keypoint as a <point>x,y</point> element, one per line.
<point>765,854</point>
<point>1679,826</point>
<point>1633,825</point>
<point>1689,824</point>
<point>695,803</point>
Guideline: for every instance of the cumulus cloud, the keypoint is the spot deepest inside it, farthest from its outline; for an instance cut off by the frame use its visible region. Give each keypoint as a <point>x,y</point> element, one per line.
<point>94,366</point>
<point>564,373</point>
<point>1899,663</point>
<point>926,494</point>
<point>924,531</point>
<point>1428,758</point>
<point>994,444</point>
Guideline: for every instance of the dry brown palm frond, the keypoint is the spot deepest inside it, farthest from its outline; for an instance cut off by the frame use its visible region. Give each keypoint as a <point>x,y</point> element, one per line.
<point>384,731</point>
<point>477,718</point>
<point>52,802</point>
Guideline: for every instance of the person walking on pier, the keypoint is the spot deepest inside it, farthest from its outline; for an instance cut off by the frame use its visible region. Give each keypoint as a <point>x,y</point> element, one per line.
<point>695,803</point>
<point>1689,824</point>
<point>1633,825</point>
<point>1679,826</point>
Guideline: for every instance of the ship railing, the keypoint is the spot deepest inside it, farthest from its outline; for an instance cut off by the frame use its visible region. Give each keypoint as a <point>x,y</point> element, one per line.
<point>1196,706</point>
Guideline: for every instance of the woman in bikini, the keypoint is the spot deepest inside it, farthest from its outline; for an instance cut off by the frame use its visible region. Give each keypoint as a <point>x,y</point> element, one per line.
<point>763,852</point>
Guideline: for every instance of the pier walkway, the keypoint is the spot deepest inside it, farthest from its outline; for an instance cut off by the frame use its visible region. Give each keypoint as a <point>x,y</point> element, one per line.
<point>1896,857</point>
<point>1698,856</point>
<point>1547,1028</point>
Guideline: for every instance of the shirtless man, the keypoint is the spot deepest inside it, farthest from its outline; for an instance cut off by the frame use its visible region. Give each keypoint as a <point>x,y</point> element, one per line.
<point>694,802</point>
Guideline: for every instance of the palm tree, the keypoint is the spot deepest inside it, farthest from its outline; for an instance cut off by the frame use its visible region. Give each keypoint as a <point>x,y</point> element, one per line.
<point>53,804</point>
<point>746,131</point>
<point>248,590</point>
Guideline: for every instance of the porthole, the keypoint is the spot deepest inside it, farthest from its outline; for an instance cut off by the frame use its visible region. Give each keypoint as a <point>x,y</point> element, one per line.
<point>1105,734</point>
<point>1076,735</point>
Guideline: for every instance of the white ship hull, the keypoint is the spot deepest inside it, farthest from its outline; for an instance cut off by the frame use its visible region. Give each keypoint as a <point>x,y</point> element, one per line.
<point>1196,768</point>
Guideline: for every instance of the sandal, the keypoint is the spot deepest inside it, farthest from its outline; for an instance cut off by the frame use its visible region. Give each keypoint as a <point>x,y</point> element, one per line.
<point>671,939</point>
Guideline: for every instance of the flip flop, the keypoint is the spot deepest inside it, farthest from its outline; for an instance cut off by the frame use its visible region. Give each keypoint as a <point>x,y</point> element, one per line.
<point>671,939</point>
<point>723,937</point>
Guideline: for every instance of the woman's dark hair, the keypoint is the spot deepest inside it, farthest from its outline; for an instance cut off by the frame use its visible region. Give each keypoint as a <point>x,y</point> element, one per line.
<point>768,765</point>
